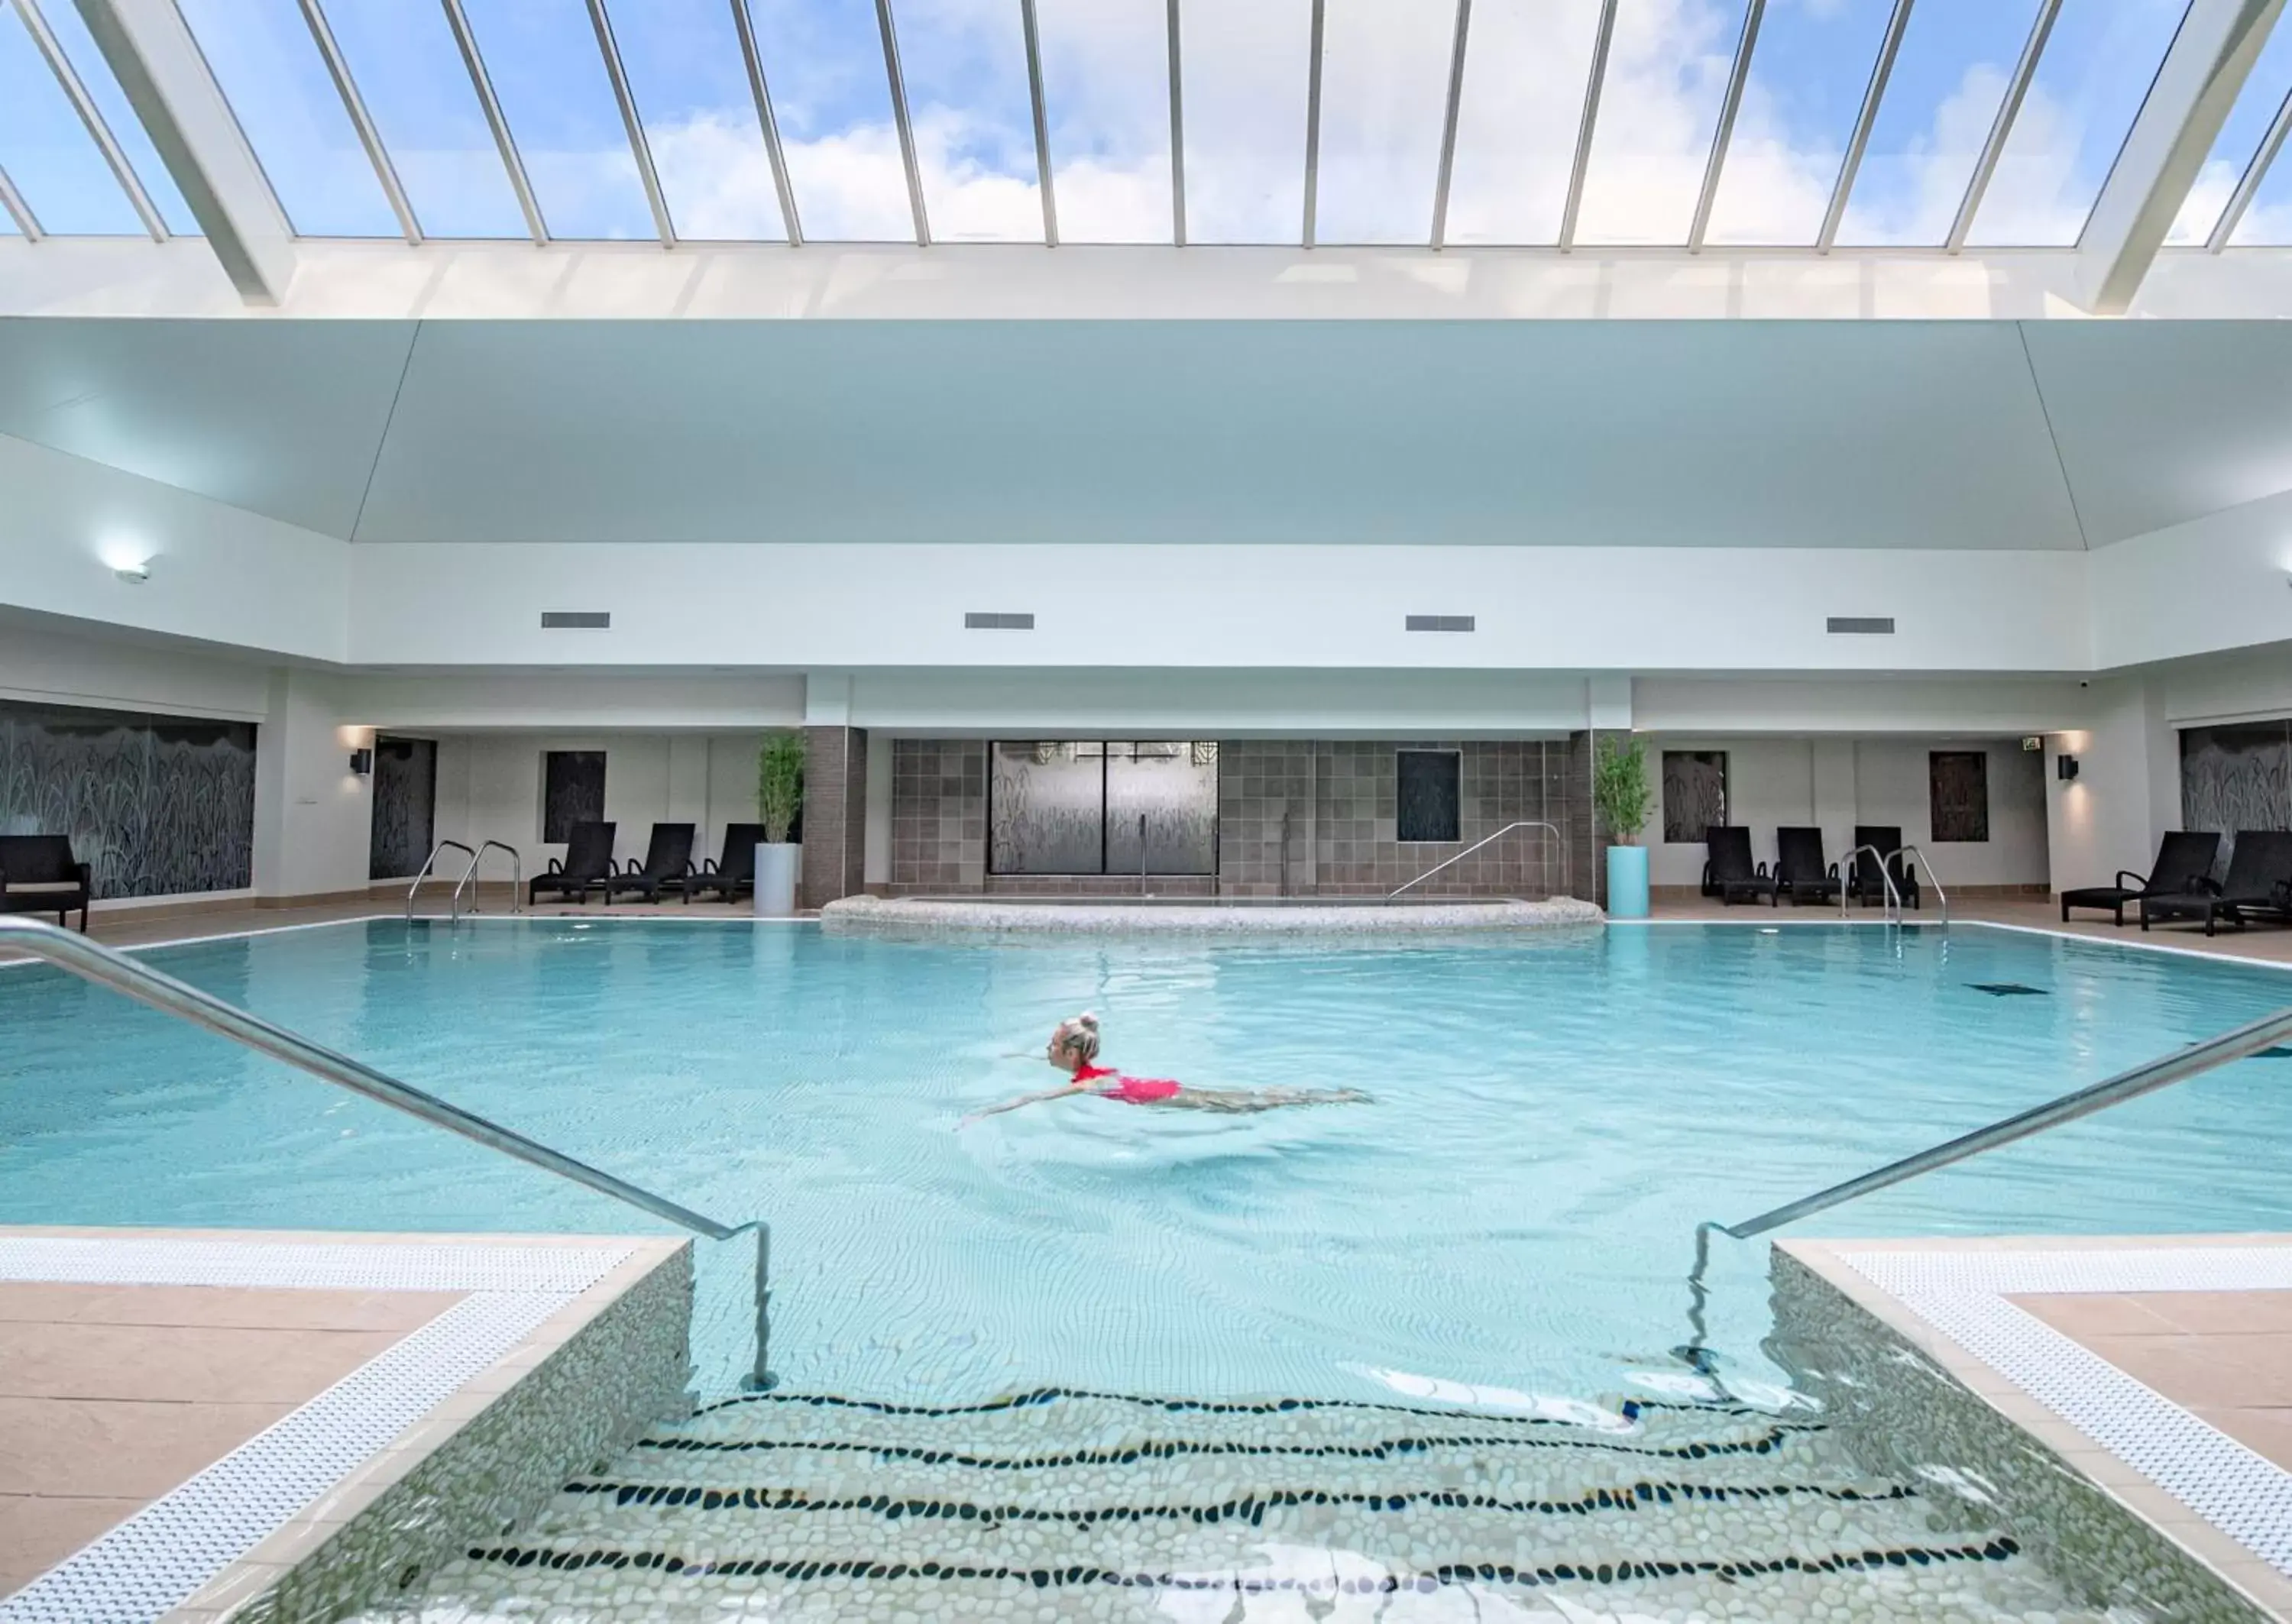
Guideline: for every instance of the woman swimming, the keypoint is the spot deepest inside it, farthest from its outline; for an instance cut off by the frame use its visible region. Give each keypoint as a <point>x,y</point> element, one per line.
<point>1073,1049</point>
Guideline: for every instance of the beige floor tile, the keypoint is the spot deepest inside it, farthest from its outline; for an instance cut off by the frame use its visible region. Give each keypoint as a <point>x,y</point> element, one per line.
<point>245,1306</point>
<point>2207,1312</point>
<point>37,1531</point>
<point>185,1363</point>
<point>109,1450</point>
<point>2092,1313</point>
<point>2248,1371</point>
<point>2264,1432</point>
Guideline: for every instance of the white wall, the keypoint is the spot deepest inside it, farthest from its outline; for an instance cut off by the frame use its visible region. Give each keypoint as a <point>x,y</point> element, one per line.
<point>50,663</point>
<point>2127,791</point>
<point>489,789</point>
<point>2252,685</point>
<point>218,574</point>
<point>313,816</point>
<point>627,701</point>
<point>1836,783</point>
<point>2218,582</point>
<point>1212,606</point>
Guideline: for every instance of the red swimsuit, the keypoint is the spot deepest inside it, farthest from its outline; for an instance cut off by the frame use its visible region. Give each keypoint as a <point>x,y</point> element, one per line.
<point>1129,1091</point>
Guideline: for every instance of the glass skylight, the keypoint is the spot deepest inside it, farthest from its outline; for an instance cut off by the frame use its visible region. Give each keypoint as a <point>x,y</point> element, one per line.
<point>1106,84</point>
<point>1958,58</point>
<point>1527,65</point>
<point>966,69</point>
<point>1806,86</point>
<point>1384,90</point>
<point>2097,66</point>
<point>690,84</point>
<point>1982,130</point>
<point>268,64</point>
<point>410,75</point>
<point>825,62</point>
<point>47,151</point>
<point>1244,65</point>
<point>2257,107</point>
<point>63,20</point>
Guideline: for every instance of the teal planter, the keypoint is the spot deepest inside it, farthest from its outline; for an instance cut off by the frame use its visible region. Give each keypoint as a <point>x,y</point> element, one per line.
<point>1628,882</point>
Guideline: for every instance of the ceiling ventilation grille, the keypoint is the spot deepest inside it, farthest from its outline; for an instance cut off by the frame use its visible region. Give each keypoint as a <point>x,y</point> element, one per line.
<point>1440,623</point>
<point>576,620</point>
<point>1867,626</point>
<point>981,619</point>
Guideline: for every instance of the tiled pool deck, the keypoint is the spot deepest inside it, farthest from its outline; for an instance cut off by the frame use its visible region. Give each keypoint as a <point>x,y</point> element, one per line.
<point>2153,1368</point>
<point>188,1418</point>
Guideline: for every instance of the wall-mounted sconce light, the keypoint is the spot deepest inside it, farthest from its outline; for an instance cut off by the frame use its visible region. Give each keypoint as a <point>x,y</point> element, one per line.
<point>361,763</point>
<point>2065,767</point>
<point>134,575</point>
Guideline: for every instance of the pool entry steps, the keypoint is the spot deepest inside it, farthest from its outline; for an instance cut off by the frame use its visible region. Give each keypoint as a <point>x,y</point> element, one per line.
<point>1064,1504</point>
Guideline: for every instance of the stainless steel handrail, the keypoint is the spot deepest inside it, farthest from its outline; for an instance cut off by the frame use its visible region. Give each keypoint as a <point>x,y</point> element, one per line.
<point>429,863</point>
<point>109,968</point>
<point>469,874</point>
<point>1567,880</point>
<point>1886,873</point>
<point>1933,879</point>
<point>2145,1079</point>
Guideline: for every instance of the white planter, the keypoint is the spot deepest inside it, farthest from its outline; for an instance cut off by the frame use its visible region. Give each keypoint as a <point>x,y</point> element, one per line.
<point>778,869</point>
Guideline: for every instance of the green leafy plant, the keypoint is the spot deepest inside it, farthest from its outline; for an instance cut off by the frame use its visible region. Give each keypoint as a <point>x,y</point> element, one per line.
<point>1619,787</point>
<point>779,784</point>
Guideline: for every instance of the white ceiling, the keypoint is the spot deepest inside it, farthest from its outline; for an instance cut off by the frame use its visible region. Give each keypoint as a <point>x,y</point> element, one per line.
<point>1673,433</point>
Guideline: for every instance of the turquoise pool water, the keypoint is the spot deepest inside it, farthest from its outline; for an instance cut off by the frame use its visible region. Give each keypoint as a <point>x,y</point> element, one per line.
<point>1514,1209</point>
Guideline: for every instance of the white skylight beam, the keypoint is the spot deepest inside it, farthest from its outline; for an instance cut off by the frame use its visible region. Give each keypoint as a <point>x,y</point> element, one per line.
<point>2002,126</point>
<point>337,69</point>
<point>490,105</point>
<point>1587,126</point>
<point>899,121</point>
<point>1448,165</point>
<point>1313,119</point>
<point>753,59</point>
<point>19,210</point>
<point>640,148</point>
<point>2255,172</point>
<point>1859,141</point>
<point>1725,132</point>
<point>1177,133</point>
<point>92,117</point>
<point>1041,121</point>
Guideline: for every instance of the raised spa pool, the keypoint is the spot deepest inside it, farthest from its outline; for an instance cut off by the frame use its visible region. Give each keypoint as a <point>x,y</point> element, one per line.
<point>1551,1114</point>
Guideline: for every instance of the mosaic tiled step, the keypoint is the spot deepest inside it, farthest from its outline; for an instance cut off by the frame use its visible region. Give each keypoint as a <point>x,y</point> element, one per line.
<point>1066,1505</point>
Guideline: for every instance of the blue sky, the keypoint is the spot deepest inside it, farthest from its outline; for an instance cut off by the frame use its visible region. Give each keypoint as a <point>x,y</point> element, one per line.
<point>1244,73</point>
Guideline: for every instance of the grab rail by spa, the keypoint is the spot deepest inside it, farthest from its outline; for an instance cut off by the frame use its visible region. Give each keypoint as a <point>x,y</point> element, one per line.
<point>431,862</point>
<point>1886,873</point>
<point>2144,1079</point>
<point>1567,880</point>
<point>469,876</point>
<point>107,966</point>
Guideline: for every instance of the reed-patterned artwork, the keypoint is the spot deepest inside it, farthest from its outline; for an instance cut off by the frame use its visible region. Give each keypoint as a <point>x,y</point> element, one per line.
<point>2236,777</point>
<point>405,806</point>
<point>158,806</point>
<point>1694,793</point>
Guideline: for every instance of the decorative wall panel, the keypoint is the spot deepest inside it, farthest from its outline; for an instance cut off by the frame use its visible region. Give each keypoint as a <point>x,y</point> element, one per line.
<point>405,806</point>
<point>1958,785</point>
<point>1169,791</point>
<point>1694,793</point>
<point>1426,807</point>
<point>2235,779</point>
<point>572,791</point>
<point>159,805</point>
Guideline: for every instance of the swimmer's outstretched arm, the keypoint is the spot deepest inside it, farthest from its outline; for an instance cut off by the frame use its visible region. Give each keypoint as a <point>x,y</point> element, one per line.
<point>1012,1104</point>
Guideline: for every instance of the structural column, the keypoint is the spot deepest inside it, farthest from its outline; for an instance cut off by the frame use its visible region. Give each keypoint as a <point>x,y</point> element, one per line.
<point>835,793</point>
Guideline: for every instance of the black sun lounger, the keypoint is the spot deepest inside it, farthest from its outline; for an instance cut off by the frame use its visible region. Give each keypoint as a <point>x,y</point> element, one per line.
<point>2184,863</point>
<point>1729,873</point>
<point>1800,872</point>
<point>588,865</point>
<point>733,874</point>
<point>2258,887</point>
<point>668,860</point>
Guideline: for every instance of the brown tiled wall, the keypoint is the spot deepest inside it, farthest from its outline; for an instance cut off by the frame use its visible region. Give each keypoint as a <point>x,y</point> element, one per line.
<point>1318,818</point>
<point>1588,847</point>
<point>939,815</point>
<point>835,814</point>
<point>1337,838</point>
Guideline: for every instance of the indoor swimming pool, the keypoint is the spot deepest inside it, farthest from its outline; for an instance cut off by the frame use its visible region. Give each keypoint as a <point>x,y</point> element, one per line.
<point>1507,1221</point>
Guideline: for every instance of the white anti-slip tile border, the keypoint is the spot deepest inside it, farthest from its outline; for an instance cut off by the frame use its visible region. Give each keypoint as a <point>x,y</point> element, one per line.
<point>158,1558</point>
<point>1962,1294</point>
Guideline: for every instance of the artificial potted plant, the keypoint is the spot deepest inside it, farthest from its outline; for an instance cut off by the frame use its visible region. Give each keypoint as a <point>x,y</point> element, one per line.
<point>780,798</point>
<point>1619,793</point>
